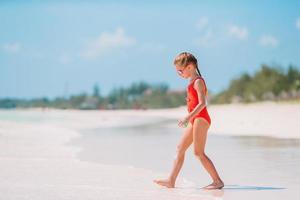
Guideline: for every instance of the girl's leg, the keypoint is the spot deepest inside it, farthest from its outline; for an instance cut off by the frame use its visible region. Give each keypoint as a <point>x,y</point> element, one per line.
<point>199,137</point>
<point>183,145</point>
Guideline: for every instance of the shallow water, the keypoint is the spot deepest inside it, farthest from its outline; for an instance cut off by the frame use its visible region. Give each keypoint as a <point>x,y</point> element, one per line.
<point>44,156</point>
<point>252,167</point>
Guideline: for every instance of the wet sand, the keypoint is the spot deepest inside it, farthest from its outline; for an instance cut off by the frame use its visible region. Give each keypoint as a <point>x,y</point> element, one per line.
<point>68,154</point>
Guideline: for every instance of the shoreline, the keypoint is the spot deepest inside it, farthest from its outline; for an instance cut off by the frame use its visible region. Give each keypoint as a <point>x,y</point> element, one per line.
<point>267,119</point>
<point>38,161</point>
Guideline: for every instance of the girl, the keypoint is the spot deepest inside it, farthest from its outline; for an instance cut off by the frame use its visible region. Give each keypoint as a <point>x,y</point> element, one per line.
<point>197,121</point>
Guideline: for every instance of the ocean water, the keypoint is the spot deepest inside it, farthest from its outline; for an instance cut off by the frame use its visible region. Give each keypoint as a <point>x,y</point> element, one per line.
<point>252,167</point>
<point>71,155</point>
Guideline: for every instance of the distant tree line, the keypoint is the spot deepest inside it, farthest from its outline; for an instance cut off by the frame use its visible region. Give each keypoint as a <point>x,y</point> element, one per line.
<point>137,96</point>
<point>268,83</point>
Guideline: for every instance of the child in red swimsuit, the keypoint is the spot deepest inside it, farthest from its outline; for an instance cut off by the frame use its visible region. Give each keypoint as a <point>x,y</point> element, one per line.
<point>193,101</point>
<point>197,120</point>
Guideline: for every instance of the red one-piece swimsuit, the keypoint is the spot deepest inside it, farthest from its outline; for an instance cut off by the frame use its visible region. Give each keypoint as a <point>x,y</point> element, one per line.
<point>192,101</point>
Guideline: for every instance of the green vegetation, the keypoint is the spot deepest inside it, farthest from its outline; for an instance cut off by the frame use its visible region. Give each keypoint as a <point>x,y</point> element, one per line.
<point>137,96</point>
<point>269,83</point>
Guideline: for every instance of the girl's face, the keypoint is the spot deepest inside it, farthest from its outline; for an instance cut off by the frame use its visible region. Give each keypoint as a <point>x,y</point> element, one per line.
<point>184,71</point>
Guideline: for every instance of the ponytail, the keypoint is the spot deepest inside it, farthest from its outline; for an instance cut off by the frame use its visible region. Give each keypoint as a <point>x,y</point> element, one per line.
<point>198,70</point>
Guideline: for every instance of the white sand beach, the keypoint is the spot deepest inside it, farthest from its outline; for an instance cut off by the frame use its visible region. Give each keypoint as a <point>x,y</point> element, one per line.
<point>37,160</point>
<point>262,119</point>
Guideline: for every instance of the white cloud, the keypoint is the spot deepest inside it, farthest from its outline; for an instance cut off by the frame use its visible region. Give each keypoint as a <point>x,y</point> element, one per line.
<point>202,23</point>
<point>238,32</point>
<point>268,41</point>
<point>106,43</point>
<point>298,23</point>
<point>206,37</point>
<point>205,40</point>
<point>12,47</point>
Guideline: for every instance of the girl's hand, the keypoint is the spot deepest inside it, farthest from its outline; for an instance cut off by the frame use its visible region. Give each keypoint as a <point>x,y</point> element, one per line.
<point>184,122</point>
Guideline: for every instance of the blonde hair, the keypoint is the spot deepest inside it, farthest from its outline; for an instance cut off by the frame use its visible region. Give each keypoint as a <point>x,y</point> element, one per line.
<point>185,58</point>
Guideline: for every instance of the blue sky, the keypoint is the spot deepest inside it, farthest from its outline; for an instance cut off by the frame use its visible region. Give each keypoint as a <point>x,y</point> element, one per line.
<point>55,48</point>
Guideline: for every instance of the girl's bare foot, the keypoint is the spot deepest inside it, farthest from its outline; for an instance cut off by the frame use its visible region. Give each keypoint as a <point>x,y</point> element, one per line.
<point>166,182</point>
<point>215,185</point>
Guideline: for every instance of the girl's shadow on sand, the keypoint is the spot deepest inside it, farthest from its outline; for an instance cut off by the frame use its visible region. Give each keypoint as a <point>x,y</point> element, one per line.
<point>218,194</point>
<point>247,187</point>
<point>243,188</point>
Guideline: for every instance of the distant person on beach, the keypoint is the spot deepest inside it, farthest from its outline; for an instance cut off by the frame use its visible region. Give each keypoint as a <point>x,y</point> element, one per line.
<point>197,122</point>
